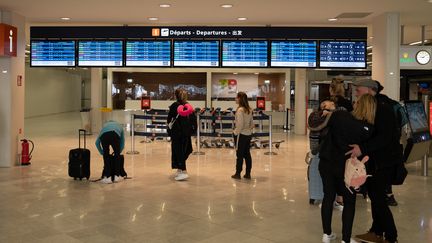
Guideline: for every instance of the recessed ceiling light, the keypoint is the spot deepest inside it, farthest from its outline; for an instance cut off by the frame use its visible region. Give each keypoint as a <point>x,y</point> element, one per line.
<point>371,37</point>
<point>256,73</point>
<point>242,18</point>
<point>129,80</point>
<point>332,19</point>
<point>4,71</point>
<point>226,5</point>
<point>65,18</point>
<point>235,73</point>
<point>153,18</point>
<point>164,5</point>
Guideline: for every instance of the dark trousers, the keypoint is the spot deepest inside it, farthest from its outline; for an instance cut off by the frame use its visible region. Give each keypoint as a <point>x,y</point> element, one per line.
<point>333,183</point>
<point>243,153</point>
<point>110,139</point>
<point>181,148</point>
<point>383,222</point>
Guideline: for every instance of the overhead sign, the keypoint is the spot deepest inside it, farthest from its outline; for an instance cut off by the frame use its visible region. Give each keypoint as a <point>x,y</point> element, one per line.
<point>175,32</point>
<point>415,57</point>
<point>8,40</point>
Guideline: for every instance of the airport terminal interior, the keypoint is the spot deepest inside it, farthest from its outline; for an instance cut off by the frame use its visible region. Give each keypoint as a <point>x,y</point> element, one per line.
<point>68,67</point>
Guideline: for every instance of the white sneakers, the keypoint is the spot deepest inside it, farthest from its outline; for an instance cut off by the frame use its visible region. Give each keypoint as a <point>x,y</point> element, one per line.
<point>181,176</point>
<point>338,206</point>
<point>328,238</point>
<point>106,180</point>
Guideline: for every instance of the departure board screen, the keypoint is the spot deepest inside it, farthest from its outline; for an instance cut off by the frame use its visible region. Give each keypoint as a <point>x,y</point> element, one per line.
<point>196,53</point>
<point>52,53</point>
<point>343,54</point>
<point>100,53</point>
<point>293,54</point>
<point>148,53</point>
<point>244,54</point>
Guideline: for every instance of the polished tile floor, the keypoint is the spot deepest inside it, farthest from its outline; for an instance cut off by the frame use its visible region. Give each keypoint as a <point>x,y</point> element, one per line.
<point>40,203</point>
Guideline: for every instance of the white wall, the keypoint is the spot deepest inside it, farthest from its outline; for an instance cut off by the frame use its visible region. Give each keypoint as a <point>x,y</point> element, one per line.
<point>51,91</point>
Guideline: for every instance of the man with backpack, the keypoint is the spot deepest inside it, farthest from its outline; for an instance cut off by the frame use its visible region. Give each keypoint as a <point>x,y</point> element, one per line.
<point>401,121</point>
<point>385,153</point>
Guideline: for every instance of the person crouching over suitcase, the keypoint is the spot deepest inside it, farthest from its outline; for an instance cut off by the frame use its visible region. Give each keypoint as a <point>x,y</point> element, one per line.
<point>111,135</point>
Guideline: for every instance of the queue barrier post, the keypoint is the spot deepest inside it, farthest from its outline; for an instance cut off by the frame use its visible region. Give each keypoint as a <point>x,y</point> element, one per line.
<point>132,151</point>
<point>198,137</point>
<point>270,152</point>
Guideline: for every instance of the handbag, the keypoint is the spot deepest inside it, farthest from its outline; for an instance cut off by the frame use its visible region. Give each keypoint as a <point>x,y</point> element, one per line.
<point>400,173</point>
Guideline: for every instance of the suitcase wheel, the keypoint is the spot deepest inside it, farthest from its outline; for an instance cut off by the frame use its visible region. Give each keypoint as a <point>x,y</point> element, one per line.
<point>80,179</point>
<point>75,178</point>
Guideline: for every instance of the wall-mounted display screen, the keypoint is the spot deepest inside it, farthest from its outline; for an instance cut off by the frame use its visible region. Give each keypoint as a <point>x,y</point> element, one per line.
<point>244,54</point>
<point>148,53</point>
<point>100,53</point>
<point>52,53</point>
<point>342,54</point>
<point>293,54</point>
<point>196,53</point>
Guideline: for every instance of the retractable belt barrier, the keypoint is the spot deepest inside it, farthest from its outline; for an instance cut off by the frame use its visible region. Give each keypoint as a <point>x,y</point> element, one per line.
<point>213,124</point>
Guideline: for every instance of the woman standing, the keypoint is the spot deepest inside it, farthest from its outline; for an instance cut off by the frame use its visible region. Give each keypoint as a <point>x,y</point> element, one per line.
<point>242,135</point>
<point>182,124</point>
<point>344,129</point>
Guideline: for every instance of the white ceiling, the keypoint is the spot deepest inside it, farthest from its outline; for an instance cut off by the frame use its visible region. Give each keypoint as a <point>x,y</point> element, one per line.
<point>414,13</point>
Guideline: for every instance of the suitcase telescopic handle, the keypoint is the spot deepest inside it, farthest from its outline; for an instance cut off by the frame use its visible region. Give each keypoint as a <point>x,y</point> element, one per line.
<point>81,131</point>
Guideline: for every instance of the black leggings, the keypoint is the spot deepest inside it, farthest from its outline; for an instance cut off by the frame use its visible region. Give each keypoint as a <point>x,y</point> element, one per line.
<point>243,152</point>
<point>333,182</point>
<point>181,148</point>
<point>110,139</point>
<point>382,216</point>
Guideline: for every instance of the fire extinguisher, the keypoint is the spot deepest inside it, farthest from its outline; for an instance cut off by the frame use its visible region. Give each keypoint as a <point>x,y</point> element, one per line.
<point>25,155</point>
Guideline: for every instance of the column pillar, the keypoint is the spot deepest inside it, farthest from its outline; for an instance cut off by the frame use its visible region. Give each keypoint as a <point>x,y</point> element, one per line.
<point>12,95</point>
<point>96,99</point>
<point>385,53</point>
<point>300,101</point>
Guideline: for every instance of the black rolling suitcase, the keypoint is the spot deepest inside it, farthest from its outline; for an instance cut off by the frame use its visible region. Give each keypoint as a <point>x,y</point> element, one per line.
<point>79,160</point>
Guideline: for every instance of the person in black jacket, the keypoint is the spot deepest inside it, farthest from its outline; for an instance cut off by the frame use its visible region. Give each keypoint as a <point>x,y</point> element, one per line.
<point>183,123</point>
<point>384,153</point>
<point>344,129</point>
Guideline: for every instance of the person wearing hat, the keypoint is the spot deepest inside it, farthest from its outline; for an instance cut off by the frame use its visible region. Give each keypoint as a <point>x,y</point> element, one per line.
<point>383,151</point>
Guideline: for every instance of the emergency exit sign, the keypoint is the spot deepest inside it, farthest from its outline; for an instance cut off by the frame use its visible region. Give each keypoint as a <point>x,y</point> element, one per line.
<point>8,40</point>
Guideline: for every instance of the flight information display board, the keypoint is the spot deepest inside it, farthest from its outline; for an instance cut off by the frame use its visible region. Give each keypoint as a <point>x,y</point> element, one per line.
<point>148,53</point>
<point>293,54</point>
<point>244,53</point>
<point>196,53</point>
<point>343,54</point>
<point>100,53</point>
<point>52,53</point>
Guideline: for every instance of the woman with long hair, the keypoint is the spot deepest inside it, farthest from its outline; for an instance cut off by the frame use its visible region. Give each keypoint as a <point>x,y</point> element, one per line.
<point>243,135</point>
<point>181,126</point>
<point>344,129</point>
<point>337,94</point>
